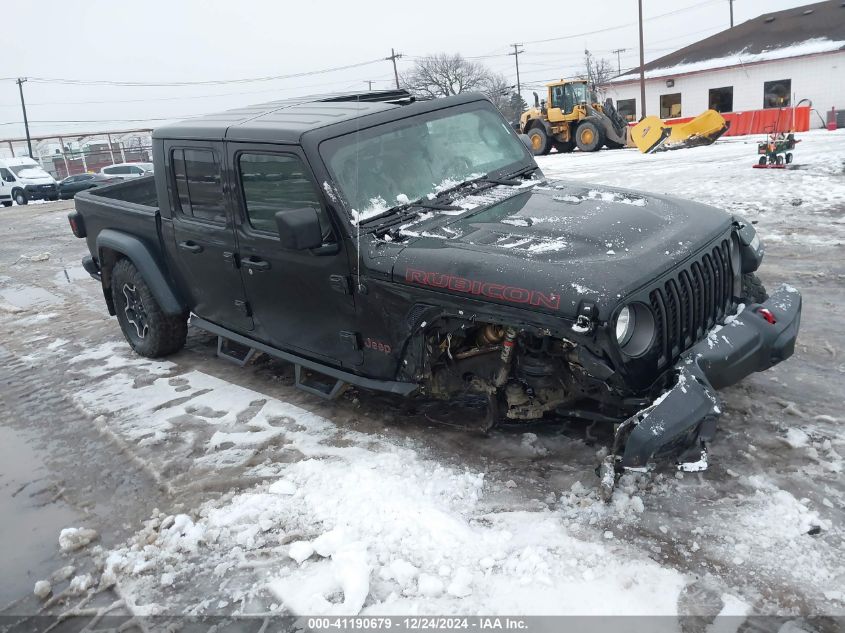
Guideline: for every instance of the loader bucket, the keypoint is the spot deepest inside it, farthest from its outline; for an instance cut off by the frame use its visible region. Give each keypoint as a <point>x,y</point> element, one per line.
<point>702,130</point>
<point>649,134</point>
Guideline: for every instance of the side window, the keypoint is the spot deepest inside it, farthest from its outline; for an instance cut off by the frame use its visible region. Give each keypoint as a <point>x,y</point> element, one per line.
<point>109,170</point>
<point>273,183</point>
<point>627,109</point>
<point>84,177</point>
<point>199,190</point>
<point>776,93</point>
<point>6,175</point>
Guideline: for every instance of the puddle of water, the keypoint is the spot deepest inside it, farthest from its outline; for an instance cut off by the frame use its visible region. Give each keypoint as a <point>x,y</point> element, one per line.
<point>29,531</point>
<point>28,296</point>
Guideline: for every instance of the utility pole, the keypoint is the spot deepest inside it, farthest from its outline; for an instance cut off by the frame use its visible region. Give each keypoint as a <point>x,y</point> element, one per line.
<point>369,83</point>
<point>619,59</point>
<point>20,83</point>
<point>393,57</point>
<point>642,63</point>
<point>516,52</point>
<point>731,4</point>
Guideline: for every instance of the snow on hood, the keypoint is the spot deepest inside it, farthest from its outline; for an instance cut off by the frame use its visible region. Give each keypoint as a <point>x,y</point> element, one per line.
<point>809,47</point>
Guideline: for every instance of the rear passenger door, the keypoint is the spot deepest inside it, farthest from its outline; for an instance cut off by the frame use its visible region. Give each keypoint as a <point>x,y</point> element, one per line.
<point>205,235</point>
<point>301,300</point>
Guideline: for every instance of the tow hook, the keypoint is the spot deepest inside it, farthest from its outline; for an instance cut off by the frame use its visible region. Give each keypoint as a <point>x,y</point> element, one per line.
<point>586,319</point>
<point>767,314</point>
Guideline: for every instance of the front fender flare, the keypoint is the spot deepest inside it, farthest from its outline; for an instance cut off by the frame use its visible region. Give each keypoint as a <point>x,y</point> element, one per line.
<point>140,255</point>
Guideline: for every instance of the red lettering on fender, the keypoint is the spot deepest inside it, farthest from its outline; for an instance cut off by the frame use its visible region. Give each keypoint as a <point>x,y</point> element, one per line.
<point>500,292</point>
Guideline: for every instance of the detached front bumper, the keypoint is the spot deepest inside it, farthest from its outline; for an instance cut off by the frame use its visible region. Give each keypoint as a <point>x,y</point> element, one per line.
<point>685,415</point>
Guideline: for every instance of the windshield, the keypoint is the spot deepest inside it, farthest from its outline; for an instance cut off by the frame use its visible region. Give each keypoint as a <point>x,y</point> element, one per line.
<point>28,171</point>
<point>404,161</point>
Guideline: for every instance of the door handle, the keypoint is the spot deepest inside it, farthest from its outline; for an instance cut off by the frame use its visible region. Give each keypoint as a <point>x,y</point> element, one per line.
<point>191,247</point>
<point>253,263</point>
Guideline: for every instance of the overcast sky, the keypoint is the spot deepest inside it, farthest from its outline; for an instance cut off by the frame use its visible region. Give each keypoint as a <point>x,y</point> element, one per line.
<point>211,40</point>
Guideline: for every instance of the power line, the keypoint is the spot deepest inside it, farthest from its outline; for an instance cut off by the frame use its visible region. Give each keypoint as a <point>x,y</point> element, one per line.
<point>621,26</point>
<point>214,82</point>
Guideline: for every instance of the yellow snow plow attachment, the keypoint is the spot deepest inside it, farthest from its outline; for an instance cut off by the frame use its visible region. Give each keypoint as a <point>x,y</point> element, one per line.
<point>654,135</point>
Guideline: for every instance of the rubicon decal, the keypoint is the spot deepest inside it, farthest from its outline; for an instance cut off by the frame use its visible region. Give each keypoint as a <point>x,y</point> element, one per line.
<point>512,294</point>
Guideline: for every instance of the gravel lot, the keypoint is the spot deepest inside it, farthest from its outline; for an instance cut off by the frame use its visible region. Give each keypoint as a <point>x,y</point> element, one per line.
<point>207,484</point>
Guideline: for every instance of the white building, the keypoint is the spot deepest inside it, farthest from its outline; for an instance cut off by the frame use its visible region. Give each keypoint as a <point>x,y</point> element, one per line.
<point>776,60</point>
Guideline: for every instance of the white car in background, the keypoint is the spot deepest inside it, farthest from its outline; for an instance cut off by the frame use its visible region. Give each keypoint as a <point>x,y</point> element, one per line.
<point>126,171</point>
<point>22,179</point>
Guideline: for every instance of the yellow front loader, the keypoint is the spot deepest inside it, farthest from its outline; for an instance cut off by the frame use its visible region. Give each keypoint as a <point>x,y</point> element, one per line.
<point>571,117</point>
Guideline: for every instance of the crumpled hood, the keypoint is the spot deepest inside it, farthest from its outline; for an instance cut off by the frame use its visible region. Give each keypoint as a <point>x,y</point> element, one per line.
<point>552,245</point>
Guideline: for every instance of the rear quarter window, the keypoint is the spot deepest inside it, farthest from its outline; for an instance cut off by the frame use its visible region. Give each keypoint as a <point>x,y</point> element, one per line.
<point>199,190</point>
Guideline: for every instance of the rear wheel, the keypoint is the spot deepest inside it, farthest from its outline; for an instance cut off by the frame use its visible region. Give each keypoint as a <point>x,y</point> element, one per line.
<point>20,197</point>
<point>589,137</point>
<point>540,143</point>
<point>762,160</point>
<point>753,288</point>
<point>148,329</point>
<point>788,157</point>
<point>779,159</point>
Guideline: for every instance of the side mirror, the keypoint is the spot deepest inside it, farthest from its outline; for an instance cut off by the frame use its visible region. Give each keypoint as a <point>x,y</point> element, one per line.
<point>299,229</point>
<point>526,140</point>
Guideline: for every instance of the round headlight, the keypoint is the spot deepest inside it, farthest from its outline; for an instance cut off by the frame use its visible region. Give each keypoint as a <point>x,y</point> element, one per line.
<point>635,329</point>
<point>624,325</point>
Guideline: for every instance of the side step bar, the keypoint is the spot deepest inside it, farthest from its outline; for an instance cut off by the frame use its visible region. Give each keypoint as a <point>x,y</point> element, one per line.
<point>234,352</point>
<point>306,383</point>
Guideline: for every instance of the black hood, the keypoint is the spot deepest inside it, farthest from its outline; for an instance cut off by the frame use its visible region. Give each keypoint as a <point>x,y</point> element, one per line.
<point>551,245</point>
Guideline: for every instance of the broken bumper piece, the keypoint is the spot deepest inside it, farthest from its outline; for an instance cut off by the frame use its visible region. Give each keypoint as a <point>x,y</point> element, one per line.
<point>677,423</point>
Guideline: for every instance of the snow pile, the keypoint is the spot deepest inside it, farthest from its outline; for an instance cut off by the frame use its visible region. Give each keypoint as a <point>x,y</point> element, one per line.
<point>364,526</point>
<point>71,539</point>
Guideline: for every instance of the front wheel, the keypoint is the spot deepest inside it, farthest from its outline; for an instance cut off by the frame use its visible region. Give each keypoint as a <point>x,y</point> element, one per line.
<point>753,289</point>
<point>540,144</point>
<point>148,329</point>
<point>20,197</point>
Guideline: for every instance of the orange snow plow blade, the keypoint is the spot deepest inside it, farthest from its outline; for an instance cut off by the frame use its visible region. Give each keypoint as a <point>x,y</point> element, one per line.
<point>653,135</point>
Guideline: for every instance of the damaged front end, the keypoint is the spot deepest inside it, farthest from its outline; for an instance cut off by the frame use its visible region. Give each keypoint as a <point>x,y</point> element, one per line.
<point>680,420</point>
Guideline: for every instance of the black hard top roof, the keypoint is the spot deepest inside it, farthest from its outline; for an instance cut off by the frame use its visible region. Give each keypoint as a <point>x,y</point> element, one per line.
<point>286,120</point>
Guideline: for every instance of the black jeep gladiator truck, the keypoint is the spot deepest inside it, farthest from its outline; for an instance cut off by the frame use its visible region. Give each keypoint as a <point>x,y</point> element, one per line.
<point>415,247</point>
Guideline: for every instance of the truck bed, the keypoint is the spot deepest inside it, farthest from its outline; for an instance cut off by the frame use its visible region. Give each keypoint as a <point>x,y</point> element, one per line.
<point>130,207</point>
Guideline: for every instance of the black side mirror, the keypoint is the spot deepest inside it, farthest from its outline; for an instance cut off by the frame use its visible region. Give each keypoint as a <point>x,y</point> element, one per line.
<point>299,229</point>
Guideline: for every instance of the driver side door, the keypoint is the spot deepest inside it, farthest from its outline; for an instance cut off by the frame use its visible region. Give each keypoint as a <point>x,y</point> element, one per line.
<point>300,300</point>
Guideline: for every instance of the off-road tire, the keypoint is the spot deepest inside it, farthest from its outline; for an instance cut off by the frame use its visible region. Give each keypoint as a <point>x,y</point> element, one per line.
<point>753,288</point>
<point>762,160</point>
<point>589,136</point>
<point>164,334</point>
<point>564,147</point>
<point>540,142</point>
<point>19,196</point>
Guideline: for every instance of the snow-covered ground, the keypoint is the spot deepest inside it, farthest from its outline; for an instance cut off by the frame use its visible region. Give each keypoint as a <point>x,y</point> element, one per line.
<point>282,503</point>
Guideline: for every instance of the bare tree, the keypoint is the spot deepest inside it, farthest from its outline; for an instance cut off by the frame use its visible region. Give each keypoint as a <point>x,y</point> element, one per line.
<point>444,75</point>
<point>597,71</point>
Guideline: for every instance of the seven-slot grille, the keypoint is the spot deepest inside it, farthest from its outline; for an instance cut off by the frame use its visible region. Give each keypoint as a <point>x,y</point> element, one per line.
<point>692,302</point>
